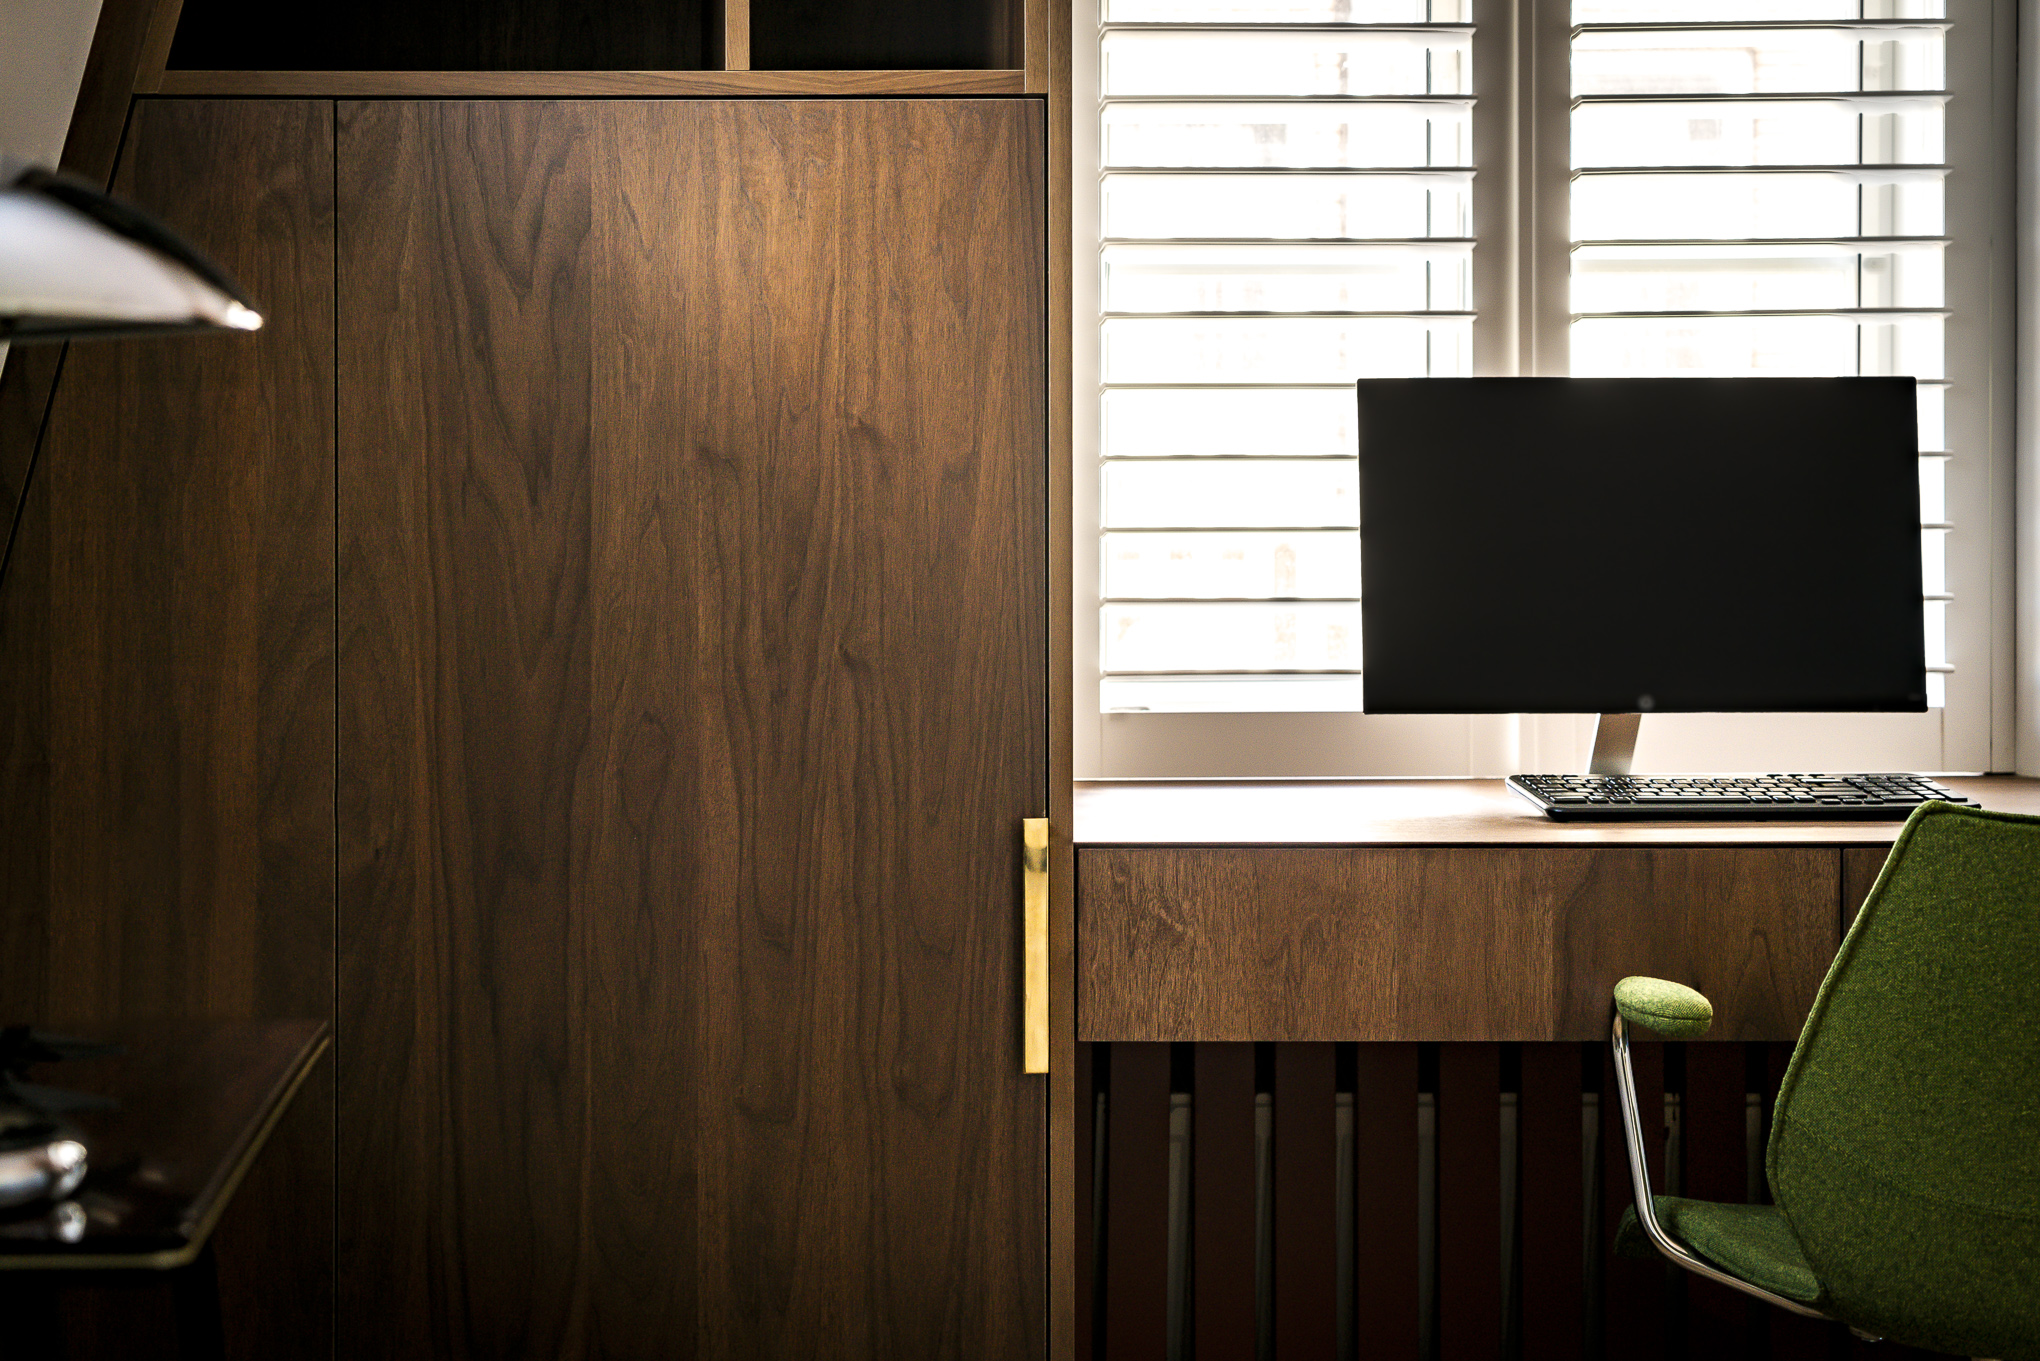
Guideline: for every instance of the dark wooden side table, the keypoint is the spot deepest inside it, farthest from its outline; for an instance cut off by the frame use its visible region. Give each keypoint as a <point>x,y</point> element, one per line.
<point>196,1102</point>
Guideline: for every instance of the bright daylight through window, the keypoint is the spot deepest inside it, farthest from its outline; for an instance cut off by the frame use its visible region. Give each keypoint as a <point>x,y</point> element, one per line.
<point>1289,197</point>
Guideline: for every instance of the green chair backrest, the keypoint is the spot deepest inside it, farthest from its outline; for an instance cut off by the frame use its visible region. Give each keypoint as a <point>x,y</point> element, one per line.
<point>1906,1149</point>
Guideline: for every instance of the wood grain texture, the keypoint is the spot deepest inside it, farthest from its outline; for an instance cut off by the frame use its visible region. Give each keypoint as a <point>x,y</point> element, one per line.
<point>745,84</point>
<point>155,50</point>
<point>27,379</point>
<point>175,591</point>
<point>1860,867</point>
<point>1748,927</point>
<point>736,53</point>
<point>191,589</point>
<point>1222,1202</point>
<point>1287,943</point>
<point>25,387</point>
<point>1050,36</point>
<point>693,638</point>
<point>121,53</point>
<point>1041,42</point>
<point>1389,812</point>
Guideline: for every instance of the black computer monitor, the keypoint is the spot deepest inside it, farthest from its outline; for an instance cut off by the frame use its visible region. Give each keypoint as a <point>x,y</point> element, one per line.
<point>1621,545</point>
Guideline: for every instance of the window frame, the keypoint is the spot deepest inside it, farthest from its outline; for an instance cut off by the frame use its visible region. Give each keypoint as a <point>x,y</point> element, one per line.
<point>1521,78</point>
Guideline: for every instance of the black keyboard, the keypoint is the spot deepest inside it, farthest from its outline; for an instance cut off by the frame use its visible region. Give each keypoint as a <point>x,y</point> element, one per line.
<point>1618,798</point>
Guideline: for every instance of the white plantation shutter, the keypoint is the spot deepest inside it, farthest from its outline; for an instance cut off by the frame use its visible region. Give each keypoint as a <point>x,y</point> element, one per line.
<point>1762,190</point>
<point>1285,201</point>
<point>1284,206</point>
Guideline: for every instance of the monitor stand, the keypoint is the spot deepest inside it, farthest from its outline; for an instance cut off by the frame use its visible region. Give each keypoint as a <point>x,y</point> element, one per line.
<point>1614,744</point>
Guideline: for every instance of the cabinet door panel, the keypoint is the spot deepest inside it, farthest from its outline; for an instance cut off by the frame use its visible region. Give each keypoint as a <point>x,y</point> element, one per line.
<point>693,639</point>
<point>166,681</point>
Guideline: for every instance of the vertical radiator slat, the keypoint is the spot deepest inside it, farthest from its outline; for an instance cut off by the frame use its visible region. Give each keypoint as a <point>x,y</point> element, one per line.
<point>1305,1223</point>
<point>1469,1202</point>
<point>1551,1203</point>
<point>1137,1202</point>
<point>1633,1292</point>
<point>1385,1191</point>
<point>1222,1197</point>
<point>1717,1318</point>
<point>1639,1299</point>
<point>1086,1187</point>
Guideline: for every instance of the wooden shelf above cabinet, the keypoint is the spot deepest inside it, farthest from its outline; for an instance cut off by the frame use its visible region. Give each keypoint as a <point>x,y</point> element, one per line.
<point>632,48</point>
<point>581,84</point>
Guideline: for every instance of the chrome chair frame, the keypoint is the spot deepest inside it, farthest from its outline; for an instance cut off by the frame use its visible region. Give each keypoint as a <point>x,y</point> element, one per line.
<point>1646,1209</point>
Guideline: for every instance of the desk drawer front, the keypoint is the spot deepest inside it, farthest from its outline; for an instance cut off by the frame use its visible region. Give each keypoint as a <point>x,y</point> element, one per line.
<point>1449,943</point>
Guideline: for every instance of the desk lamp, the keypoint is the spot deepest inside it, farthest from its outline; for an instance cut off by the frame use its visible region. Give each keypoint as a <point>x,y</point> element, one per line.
<point>77,263</point>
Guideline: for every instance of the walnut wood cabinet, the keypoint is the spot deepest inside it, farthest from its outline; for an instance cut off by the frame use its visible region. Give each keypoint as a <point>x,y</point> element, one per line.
<point>592,645</point>
<point>692,628</point>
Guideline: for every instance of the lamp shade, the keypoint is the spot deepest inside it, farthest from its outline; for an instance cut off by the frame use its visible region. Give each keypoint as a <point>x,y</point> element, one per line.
<point>76,262</point>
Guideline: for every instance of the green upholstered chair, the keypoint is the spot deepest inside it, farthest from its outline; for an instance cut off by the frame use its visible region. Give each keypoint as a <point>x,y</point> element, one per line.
<point>1905,1154</point>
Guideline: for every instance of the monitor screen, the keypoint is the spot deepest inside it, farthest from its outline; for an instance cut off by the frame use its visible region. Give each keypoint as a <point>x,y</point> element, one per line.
<point>1613,545</point>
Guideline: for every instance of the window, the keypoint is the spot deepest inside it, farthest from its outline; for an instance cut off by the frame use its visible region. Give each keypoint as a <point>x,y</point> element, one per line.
<point>1296,193</point>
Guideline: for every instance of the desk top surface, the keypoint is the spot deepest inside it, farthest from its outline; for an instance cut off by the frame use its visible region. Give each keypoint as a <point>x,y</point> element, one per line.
<point>1437,813</point>
<point>196,1101</point>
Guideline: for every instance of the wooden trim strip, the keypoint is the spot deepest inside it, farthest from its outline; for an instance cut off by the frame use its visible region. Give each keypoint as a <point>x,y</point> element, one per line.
<point>122,40</point>
<point>1035,18</point>
<point>1062,1011</point>
<point>155,54</point>
<point>583,84</point>
<point>111,70</point>
<point>736,35</point>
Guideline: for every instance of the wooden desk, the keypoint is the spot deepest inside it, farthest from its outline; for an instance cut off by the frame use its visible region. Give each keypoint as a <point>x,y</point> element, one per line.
<point>1446,910</point>
<point>1406,912</point>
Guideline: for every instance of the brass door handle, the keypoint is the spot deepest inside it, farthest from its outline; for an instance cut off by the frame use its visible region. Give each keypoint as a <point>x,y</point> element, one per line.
<point>1034,907</point>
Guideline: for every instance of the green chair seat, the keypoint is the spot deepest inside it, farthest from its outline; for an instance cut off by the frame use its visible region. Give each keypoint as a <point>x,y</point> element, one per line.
<point>1751,1242</point>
